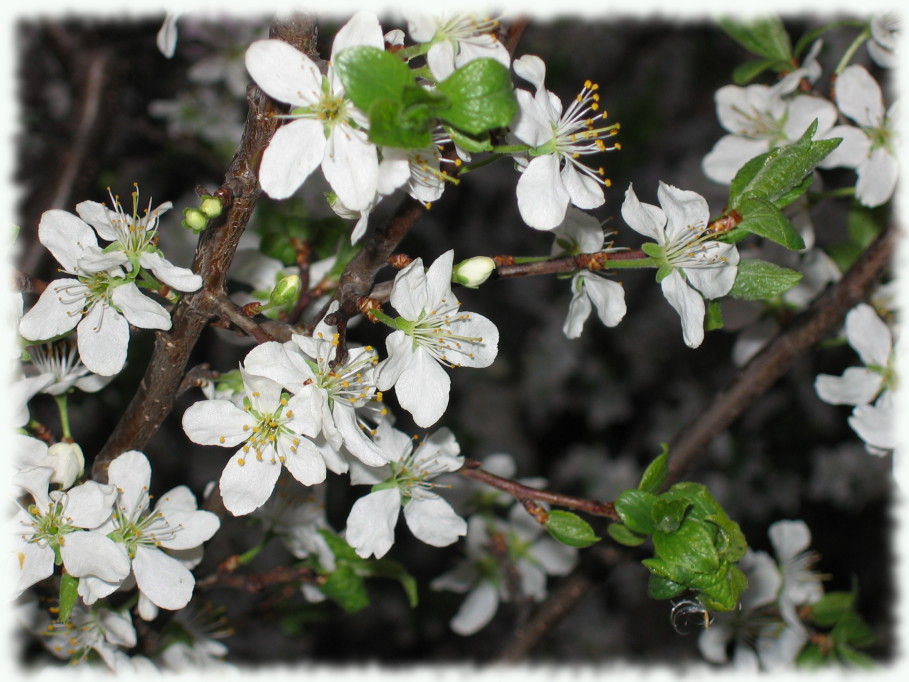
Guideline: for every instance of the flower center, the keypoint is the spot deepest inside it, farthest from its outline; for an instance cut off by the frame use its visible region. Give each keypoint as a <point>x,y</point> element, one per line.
<point>135,234</point>
<point>266,429</point>
<point>432,331</point>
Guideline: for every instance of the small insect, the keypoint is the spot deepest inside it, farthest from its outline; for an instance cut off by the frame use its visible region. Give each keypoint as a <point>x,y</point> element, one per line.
<point>685,615</point>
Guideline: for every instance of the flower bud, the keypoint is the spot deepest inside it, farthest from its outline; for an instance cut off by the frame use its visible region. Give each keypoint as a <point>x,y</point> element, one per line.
<point>211,206</point>
<point>194,219</point>
<point>472,272</point>
<point>286,291</point>
<point>68,463</point>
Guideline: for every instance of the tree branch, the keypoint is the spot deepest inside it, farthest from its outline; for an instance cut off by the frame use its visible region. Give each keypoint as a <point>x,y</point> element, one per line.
<point>155,396</point>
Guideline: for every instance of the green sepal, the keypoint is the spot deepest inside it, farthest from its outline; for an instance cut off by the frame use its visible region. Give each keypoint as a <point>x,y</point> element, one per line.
<point>664,272</point>
<point>469,143</point>
<point>655,474</point>
<point>766,37</point>
<point>654,250</point>
<point>69,592</point>
<point>634,508</point>
<point>481,96</point>
<point>762,218</point>
<point>757,280</point>
<point>570,529</point>
<point>624,535</point>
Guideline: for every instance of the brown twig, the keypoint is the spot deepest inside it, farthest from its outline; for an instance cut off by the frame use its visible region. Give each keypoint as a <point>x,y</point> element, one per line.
<point>507,268</point>
<point>822,317</point>
<point>256,582</point>
<point>155,396</point>
<point>233,312</point>
<point>522,492</point>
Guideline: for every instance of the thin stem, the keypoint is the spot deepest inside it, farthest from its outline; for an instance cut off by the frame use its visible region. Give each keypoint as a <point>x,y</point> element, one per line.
<point>60,398</point>
<point>522,492</point>
<point>850,52</point>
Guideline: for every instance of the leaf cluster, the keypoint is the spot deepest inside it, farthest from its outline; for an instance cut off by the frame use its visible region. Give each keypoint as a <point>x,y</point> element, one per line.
<point>696,544</point>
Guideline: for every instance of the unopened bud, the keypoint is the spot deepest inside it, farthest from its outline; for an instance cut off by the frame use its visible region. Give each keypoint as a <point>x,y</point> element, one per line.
<point>194,219</point>
<point>286,291</point>
<point>211,206</point>
<point>472,272</point>
<point>68,463</point>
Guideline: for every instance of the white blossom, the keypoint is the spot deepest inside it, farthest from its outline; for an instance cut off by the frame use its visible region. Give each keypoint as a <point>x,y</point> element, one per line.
<point>431,331</point>
<point>868,388</point>
<point>102,630</point>
<point>100,301</point>
<point>405,482</point>
<point>456,38</point>
<point>692,266</point>
<point>582,233</point>
<point>324,128</point>
<point>869,146</point>
<point>555,176</point>
<point>532,556</point>
<point>759,118</point>
<point>886,31</point>
<point>146,537</point>
<point>272,429</point>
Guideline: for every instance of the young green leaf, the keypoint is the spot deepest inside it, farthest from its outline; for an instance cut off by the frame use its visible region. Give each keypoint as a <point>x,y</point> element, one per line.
<point>655,474</point>
<point>389,125</point>
<point>633,507</point>
<point>624,535</point>
<point>570,529</point>
<point>346,588</point>
<point>765,37</point>
<point>370,74</point>
<point>481,97</point>
<point>690,546</point>
<point>762,218</point>
<point>757,280</point>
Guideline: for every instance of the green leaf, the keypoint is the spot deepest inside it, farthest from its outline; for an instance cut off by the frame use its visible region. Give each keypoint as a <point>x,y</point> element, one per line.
<point>757,280</point>
<point>730,543</point>
<point>69,591</point>
<point>762,218</point>
<point>570,529</point>
<point>747,72</point>
<point>481,97</point>
<point>690,546</point>
<point>655,474</point>
<point>339,546</point>
<point>720,591</point>
<point>773,175</point>
<point>810,657</point>
<point>662,588</point>
<point>346,587</point>
<point>704,503</point>
<point>370,74</point>
<point>855,658</point>
<point>388,127</point>
<point>828,610</point>
<point>671,572</point>
<point>669,514</point>
<point>624,535</point>
<point>633,507</point>
<point>766,37</point>
<point>852,629</point>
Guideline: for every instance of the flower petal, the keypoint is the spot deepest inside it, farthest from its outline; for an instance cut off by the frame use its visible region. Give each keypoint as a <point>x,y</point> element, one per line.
<point>432,520</point>
<point>542,197</point>
<point>869,335</point>
<point>216,422</point>
<point>477,610</point>
<point>247,481</point>
<point>371,523</point>
<point>857,386</point>
<point>351,166</point>
<point>87,553</point>
<point>181,279</point>
<point>645,219</point>
<point>58,310</point>
<point>292,155</point>
<point>163,579</point>
<point>284,72</point>
<point>138,309</point>
<point>103,340</point>
<point>688,304</point>
<point>67,237</point>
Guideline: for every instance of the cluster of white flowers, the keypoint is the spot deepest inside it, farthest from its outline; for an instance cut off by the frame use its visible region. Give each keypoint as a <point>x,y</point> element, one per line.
<point>760,117</point>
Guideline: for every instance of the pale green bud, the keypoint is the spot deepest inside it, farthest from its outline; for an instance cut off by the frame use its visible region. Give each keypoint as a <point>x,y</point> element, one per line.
<point>211,206</point>
<point>68,463</point>
<point>472,272</point>
<point>287,290</point>
<point>194,219</point>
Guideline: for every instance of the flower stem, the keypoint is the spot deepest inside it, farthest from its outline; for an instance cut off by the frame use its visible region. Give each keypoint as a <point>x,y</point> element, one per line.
<point>850,52</point>
<point>64,416</point>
